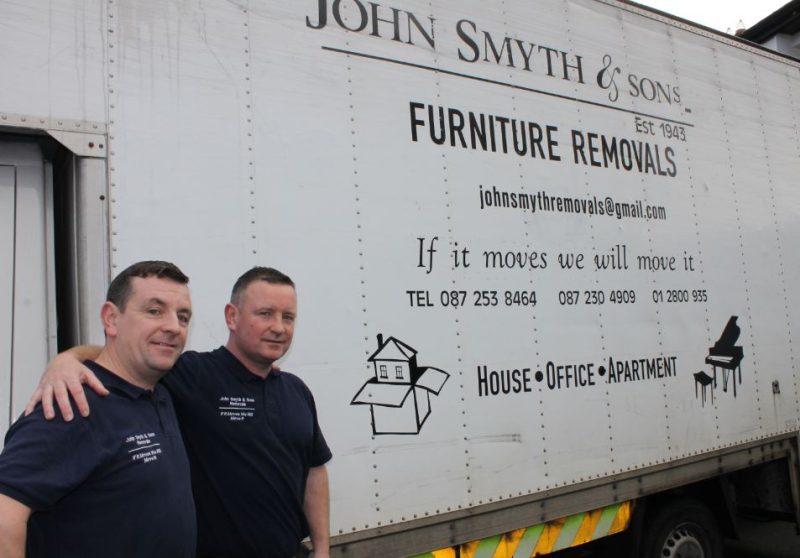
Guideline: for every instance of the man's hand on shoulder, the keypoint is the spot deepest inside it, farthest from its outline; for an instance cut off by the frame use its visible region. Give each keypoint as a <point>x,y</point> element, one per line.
<point>64,378</point>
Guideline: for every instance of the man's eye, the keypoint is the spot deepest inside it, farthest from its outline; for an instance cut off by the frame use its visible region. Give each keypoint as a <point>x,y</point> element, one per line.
<point>183,318</point>
<point>154,311</point>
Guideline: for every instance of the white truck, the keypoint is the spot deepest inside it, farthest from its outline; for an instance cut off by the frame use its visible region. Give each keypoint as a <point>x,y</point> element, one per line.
<point>544,250</point>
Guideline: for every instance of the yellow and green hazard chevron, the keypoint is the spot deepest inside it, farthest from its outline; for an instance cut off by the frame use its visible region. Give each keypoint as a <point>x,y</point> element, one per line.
<point>544,538</point>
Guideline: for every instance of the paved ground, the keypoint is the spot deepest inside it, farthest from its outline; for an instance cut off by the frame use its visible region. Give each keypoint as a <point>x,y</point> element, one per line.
<point>759,539</point>
<point>762,539</point>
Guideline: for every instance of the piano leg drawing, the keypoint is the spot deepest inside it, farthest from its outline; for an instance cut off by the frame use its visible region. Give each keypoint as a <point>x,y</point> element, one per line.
<point>725,373</point>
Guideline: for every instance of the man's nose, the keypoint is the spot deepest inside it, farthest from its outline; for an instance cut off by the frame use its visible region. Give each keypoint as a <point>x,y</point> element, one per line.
<point>277,325</point>
<point>171,322</point>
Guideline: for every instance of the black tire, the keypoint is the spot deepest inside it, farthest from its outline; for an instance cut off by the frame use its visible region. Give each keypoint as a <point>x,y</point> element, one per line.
<point>681,529</point>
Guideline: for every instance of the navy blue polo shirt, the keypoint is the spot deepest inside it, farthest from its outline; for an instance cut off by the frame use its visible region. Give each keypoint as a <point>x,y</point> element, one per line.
<point>250,442</point>
<point>115,483</point>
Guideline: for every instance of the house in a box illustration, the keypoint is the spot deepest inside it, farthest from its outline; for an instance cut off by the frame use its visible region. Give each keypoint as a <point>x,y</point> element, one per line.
<point>399,395</point>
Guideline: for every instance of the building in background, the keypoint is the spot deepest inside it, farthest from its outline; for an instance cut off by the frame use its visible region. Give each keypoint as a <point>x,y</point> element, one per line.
<point>779,31</point>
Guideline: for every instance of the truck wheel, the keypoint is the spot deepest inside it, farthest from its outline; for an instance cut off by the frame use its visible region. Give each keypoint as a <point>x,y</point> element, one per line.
<point>682,529</point>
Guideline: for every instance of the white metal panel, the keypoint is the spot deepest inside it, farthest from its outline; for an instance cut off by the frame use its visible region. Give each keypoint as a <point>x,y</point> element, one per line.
<point>771,333</point>
<point>780,104</point>
<point>243,136</point>
<point>178,144</point>
<point>55,52</point>
<point>752,226</point>
<point>629,328</point>
<point>7,243</point>
<point>25,302</point>
<point>91,250</point>
<point>686,331</point>
<point>31,301</point>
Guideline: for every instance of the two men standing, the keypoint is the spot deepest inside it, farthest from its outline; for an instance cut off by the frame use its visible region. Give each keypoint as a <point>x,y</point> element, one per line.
<point>256,451</point>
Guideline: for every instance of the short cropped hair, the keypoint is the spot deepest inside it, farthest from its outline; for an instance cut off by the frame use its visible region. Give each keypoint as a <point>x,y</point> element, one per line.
<point>119,291</point>
<point>266,274</point>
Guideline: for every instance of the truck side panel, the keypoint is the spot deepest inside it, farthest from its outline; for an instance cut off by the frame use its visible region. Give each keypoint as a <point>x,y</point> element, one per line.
<point>536,248</point>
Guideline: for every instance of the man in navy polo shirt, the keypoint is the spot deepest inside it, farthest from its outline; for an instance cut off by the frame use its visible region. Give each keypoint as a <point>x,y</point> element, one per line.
<point>115,483</point>
<point>256,450</point>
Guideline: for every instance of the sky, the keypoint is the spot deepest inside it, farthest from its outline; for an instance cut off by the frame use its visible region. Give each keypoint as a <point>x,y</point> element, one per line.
<point>722,15</point>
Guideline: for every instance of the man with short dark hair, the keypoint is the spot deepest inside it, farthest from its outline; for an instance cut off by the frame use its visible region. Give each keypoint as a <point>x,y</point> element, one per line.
<point>117,483</point>
<point>256,450</point>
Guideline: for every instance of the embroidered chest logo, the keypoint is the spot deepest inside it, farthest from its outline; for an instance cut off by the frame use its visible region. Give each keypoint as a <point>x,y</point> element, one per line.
<point>143,448</point>
<point>237,409</point>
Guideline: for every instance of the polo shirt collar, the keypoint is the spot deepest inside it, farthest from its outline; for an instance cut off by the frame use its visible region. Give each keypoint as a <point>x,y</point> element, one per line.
<point>113,382</point>
<point>240,371</point>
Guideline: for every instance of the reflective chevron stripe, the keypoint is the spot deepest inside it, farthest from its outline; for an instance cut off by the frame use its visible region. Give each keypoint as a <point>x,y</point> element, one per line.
<point>544,538</point>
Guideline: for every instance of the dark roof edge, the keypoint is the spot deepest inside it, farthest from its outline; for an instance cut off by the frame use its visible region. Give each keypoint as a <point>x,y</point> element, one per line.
<point>744,41</point>
<point>783,20</point>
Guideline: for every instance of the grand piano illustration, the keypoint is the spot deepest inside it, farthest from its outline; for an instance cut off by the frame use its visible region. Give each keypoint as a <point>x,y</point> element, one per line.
<point>725,354</point>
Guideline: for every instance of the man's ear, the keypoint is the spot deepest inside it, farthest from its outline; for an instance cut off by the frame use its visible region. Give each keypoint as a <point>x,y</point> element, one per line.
<point>231,316</point>
<point>109,313</point>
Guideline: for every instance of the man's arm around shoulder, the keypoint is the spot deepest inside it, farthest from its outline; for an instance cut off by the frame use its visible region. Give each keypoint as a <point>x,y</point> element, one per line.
<point>13,527</point>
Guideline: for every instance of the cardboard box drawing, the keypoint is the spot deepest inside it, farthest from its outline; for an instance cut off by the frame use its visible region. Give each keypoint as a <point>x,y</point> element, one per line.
<point>399,395</point>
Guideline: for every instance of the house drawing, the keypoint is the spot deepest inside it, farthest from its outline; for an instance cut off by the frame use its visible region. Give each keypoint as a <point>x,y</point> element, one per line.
<point>399,393</point>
